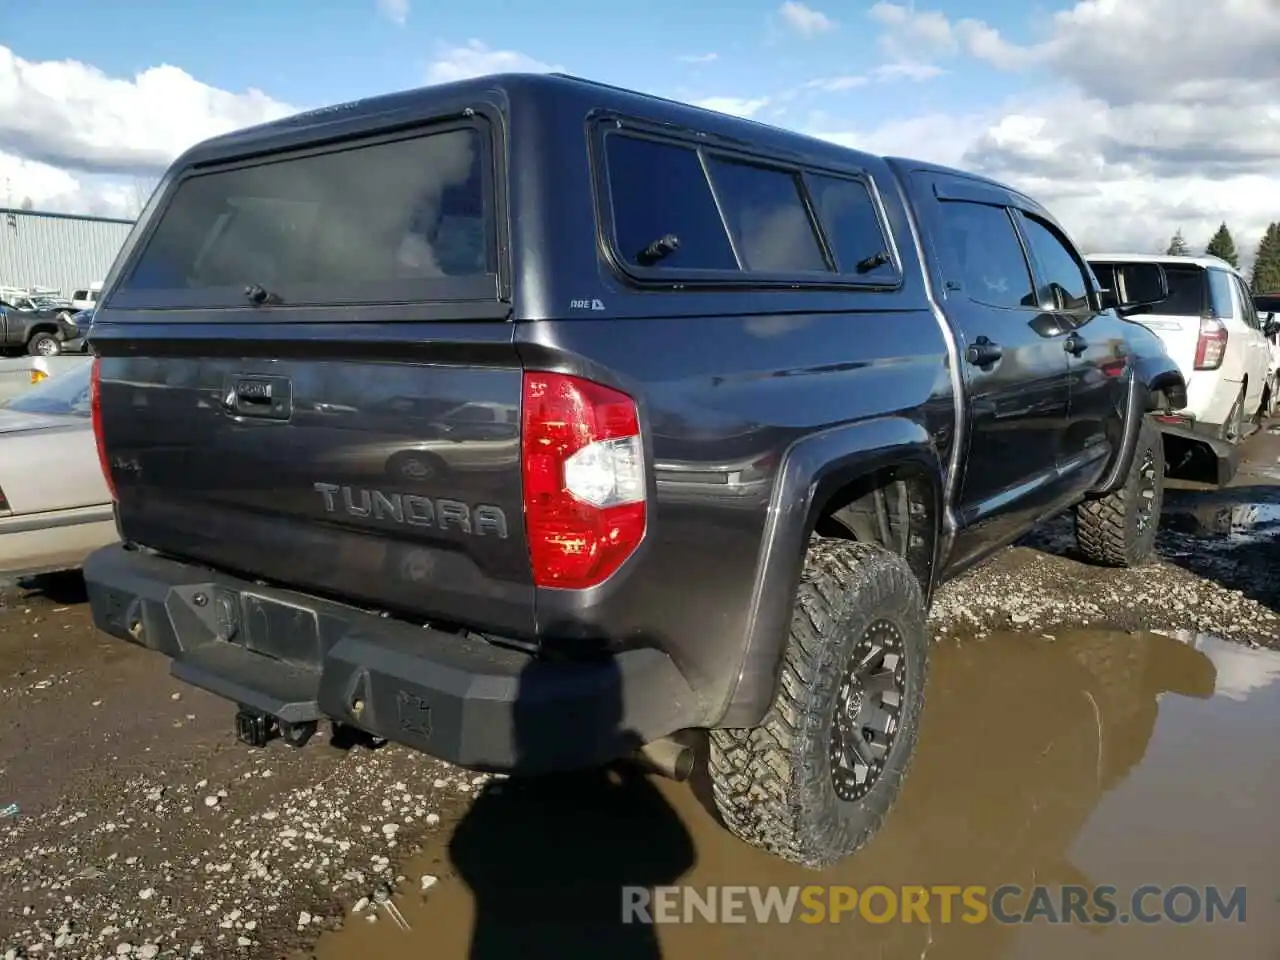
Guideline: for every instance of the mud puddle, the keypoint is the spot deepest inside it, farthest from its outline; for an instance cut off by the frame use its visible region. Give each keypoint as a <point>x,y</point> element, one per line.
<point>1230,521</point>
<point>1090,759</point>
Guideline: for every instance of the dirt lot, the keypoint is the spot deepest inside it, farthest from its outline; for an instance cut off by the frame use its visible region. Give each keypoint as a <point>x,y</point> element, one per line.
<point>143,829</point>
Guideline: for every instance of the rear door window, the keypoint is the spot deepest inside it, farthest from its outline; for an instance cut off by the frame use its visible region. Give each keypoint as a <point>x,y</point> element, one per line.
<point>988,254</point>
<point>1220,294</point>
<point>1247,308</point>
<point>393,221</point>
<point>1064,277</point>
<point>658,190</point>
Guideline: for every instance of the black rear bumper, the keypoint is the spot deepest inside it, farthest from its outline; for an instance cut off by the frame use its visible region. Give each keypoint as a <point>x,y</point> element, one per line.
<point>454,696</point>
<point>1196,451</point>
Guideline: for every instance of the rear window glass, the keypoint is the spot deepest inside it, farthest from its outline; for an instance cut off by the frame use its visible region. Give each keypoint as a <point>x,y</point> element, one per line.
<point>767,217</point>
<point>394,221</point>
<point>659,190</point>
<point>1186,292</point>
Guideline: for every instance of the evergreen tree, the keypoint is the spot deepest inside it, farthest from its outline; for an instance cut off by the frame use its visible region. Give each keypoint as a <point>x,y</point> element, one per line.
<point>1266,265</point>
<point>1178,246</point>
<point>1223,247</point>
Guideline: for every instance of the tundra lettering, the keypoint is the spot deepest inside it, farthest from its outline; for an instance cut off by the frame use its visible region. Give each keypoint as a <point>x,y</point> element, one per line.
<point>413,510</point>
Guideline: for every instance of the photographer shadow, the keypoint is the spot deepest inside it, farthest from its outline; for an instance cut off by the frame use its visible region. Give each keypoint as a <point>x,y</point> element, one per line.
<point>547,857</point>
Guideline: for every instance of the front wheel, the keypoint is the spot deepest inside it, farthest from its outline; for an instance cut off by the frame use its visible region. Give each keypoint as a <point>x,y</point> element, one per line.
<point>815,781</point>
<point>1119,530</point>
<point>44,345</point>
<point>1270,402</point>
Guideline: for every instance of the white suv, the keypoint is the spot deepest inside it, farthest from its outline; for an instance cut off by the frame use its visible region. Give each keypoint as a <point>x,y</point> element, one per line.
<point>1212,330</point>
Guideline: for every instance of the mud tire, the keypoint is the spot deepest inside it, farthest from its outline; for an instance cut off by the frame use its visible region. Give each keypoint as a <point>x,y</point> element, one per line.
<point>773,783</point>
<point>1108,530</point>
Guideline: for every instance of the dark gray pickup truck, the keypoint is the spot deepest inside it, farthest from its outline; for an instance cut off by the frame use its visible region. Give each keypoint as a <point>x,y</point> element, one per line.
<point>535,424</point>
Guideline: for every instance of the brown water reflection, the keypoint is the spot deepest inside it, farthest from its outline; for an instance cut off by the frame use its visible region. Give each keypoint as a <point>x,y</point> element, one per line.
<point>1095,758</point>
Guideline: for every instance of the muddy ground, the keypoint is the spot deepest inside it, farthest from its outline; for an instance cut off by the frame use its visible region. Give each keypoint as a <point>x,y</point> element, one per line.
<point>142,829</point>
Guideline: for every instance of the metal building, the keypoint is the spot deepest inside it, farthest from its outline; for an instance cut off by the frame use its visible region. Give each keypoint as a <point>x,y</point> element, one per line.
<point>60,251</point>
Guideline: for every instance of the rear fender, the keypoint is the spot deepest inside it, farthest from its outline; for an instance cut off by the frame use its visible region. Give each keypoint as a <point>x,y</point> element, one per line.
<point>814,469</point>
<point>1148,376</point>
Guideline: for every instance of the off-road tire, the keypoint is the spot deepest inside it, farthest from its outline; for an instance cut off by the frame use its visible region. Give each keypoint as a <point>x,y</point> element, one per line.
<point>38,339</point>
<point>773,783</point>
<point>1107,528</point>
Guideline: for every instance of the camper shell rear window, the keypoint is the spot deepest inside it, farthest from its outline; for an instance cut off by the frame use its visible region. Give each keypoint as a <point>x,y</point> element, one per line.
<point>404,219</point>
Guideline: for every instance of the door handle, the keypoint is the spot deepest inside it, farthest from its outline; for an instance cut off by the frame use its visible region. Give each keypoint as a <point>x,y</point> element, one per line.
<point>265,397</point>
<point>1075,345</point>
<point>982,352</point>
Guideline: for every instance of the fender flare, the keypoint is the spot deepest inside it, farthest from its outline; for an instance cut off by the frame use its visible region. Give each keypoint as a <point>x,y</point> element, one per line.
<point>813,469</point>
<point>1147,375</point>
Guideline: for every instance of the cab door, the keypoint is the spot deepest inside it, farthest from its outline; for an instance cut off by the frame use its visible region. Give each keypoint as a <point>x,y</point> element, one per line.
<point>1095,347</point>
<point>1015,370</point>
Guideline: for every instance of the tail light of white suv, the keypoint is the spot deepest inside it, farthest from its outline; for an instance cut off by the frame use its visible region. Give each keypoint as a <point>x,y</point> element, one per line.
<point>1211,345</point>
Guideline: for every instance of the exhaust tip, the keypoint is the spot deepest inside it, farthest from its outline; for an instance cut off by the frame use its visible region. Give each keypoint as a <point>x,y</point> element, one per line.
<point>669,757</point>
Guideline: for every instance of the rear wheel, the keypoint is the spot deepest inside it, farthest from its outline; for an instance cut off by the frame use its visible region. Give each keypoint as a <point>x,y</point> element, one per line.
<point>814,782</point>
<point>1119,530</point>
<point>43,344</point>
<point>1233,428</point>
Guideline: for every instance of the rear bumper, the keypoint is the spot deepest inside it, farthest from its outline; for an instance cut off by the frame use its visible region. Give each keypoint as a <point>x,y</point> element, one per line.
<point>1196,451</point>
<point>453,696</point>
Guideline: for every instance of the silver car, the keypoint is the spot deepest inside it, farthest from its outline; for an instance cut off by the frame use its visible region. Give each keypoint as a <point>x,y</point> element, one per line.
<point>54,504</point>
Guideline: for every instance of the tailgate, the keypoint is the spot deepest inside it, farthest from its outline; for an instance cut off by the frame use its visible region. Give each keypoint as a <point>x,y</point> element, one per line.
<point>1179,335</point>
<point>307,376</point>
<point>392,482</point>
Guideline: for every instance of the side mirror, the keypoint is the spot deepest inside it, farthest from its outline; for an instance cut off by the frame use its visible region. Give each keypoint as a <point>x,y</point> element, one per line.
<point>1136,285</point>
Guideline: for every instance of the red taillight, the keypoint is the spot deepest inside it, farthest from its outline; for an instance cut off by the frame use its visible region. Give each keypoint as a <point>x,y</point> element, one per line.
<point>582,461</point>
<point>1211,346</point>
<point>95,407</point>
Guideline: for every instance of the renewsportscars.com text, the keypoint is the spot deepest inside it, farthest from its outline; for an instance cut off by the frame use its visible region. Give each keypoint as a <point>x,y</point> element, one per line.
<point>1009,904</point>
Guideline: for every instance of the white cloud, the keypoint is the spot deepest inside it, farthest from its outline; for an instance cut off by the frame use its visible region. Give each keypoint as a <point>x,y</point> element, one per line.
<point>907,70</point>
<point>397,11</point>
<point>73,138</point>
<point>1241,670</point>
<point>736,106</point>
<point>699,57</point>
<point>838,84</point>
<point>1182,131</point>
<point>805,20</point>
<point>476,59</point>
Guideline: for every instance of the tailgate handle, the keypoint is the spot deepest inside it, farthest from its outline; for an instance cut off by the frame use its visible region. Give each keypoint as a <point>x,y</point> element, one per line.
<point>270,398</point>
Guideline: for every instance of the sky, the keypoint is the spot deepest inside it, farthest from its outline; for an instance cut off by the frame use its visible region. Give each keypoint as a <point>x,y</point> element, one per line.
<point>1128,119</point>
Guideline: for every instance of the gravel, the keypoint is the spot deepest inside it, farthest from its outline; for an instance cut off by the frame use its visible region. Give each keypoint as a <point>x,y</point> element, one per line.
<point>1039,586</point>
<point>154,872</point>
